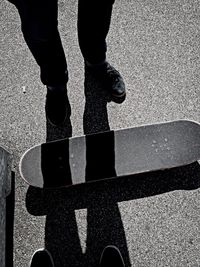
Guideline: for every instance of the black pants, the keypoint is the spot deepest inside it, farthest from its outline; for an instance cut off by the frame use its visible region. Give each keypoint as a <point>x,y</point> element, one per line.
<point>39,22</point>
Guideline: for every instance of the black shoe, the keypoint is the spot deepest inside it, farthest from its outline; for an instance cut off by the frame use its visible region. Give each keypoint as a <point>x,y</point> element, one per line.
<point>57,105</point>
<point>111,256</point>
<point>110,79</point>
<point>42,258</point>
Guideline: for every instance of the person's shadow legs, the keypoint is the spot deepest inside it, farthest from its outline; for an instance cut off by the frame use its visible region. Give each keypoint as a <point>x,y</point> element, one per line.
<point>59,205</point>
<point>59,132</point>
<point>95,117</point>
<point>104,224</point>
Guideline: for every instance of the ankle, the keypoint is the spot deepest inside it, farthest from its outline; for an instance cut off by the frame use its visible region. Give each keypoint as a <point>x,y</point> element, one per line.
<point>95,65</point>
<point>56,88</point>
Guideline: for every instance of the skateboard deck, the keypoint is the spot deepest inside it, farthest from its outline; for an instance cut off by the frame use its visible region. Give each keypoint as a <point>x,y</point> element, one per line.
<point>111,154</point>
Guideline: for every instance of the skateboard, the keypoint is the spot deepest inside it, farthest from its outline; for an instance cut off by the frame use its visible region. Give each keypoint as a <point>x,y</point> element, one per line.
<point>111,154</point>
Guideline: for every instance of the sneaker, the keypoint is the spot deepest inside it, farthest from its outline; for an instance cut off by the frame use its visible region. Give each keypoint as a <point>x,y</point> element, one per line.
<point>110,79</point>
<point>57,105</point>
<point>42,257</point>
<point>111,256</point>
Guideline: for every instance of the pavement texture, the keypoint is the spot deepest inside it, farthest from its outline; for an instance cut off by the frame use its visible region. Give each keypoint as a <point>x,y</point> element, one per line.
<point>154,219</point>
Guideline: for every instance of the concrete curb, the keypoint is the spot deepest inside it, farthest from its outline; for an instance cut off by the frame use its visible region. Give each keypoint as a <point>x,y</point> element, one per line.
<point>5,189</point>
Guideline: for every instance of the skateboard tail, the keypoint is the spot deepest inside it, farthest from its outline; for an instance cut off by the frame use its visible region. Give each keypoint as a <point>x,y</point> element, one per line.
<point>30,166</point>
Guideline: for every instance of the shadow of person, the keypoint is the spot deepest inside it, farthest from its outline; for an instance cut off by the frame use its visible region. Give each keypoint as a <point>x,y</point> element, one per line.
<point>100,199</point>
<point>59,132</point>
<point>103,214</point>
<point>95,117</point>
<point>61,232</point>
<point>104,223</point>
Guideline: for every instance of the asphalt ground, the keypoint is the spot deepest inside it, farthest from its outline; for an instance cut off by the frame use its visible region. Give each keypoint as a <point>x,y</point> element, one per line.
<point>154,220</point>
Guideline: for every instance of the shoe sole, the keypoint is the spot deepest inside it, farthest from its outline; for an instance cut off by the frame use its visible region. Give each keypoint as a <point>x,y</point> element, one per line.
<point>58,124</point>
<point>118,98</point>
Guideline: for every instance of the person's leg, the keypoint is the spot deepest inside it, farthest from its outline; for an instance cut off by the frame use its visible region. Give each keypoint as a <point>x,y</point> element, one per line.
<point>111,256</point>
<point>39,23</point>
<point>40,30</point>
<point>94,19</point>
<point>42,257</point>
